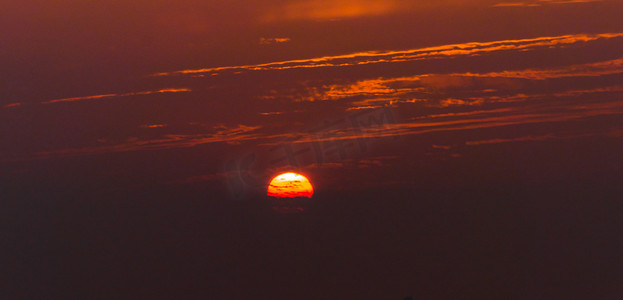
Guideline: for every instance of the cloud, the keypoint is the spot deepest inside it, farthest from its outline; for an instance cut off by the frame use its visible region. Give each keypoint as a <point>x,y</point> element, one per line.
<point>516,4</point>
<point>530,138</point>
<point>369,88</point>
<point>363,107</point>
<point>481,100</point>
<point>517,139</point>
<point>11,105</point>
<point>459,102</point>
<point>418,87</point>
<point>608,89</point>
<point>203,178</point>
<point>541,112</point>
<point>539,3</point>
<point>222,133</point>
<point>355,163</point>
<point>531,107</point>
<point>484,119</point>
<point>614,66</point>
<point>331,9</point>
<point>97,97</point>
<point>276,113</point>
<point>567,1</point>
<point>373,57</point>
<point>153,126</point>
<point>464,114</point>
<point>268,41</point>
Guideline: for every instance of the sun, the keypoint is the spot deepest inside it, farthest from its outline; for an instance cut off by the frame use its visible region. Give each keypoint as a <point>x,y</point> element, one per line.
<point>290,185</point>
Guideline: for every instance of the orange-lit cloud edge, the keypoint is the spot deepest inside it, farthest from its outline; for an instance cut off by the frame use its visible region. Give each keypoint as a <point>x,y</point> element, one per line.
<point>371,57</point>
<point>380,91</point>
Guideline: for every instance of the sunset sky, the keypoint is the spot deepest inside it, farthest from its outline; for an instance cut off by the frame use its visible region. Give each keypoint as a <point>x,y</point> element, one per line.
<point>457,149</point>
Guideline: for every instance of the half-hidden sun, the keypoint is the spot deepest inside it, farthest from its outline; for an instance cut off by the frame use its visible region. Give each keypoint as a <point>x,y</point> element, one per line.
<point>290,185</point>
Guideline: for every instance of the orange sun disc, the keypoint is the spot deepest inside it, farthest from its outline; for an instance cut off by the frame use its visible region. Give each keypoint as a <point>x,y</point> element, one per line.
<point>290,185</point>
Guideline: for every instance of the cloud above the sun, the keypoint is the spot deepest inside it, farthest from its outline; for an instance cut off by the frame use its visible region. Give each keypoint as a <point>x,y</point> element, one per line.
<point>398,56</point>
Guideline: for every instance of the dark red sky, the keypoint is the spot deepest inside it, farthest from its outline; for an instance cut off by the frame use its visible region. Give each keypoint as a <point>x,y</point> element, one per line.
<point>457,149</point>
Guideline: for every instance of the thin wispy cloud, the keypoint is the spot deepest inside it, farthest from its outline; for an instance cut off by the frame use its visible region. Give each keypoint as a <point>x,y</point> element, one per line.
<point>152,126</point>
<point>516,4</point>
<point>103,96</point>
<point>222,133</point>
<point>452,121</point>
<point>268,41</point>
<point>11,105</point>
<point>277,113</point>
<point>528,138</point>
<point>467,114</point>
<point>568,1</point>
<point>331,9</point>
<point>539,3</point>
<point>609,67</point>
<point>363,107</point>
<point>539,138</point>
<point>519,116</point>
<point>373,57</point>
<point>576,92</point>
<point>524,97</point>
<point>203,178</point>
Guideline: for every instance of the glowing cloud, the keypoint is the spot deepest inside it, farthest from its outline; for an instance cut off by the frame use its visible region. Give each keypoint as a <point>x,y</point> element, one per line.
<point>331,9</point>
<point>373,57</point>
<point>268,41</point>
<point>403,89</point>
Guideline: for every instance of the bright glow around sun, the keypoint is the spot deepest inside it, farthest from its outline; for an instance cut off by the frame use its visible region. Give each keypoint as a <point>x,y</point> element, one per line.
<point>290,185</point>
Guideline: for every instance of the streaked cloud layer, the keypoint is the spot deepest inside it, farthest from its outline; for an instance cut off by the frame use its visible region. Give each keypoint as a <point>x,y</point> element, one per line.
<point>276,87</point>
<point>482,93</point>
<point>168,141</point>
<point>412,88</point>
<point>373,57</point>
<point>493,118</point>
